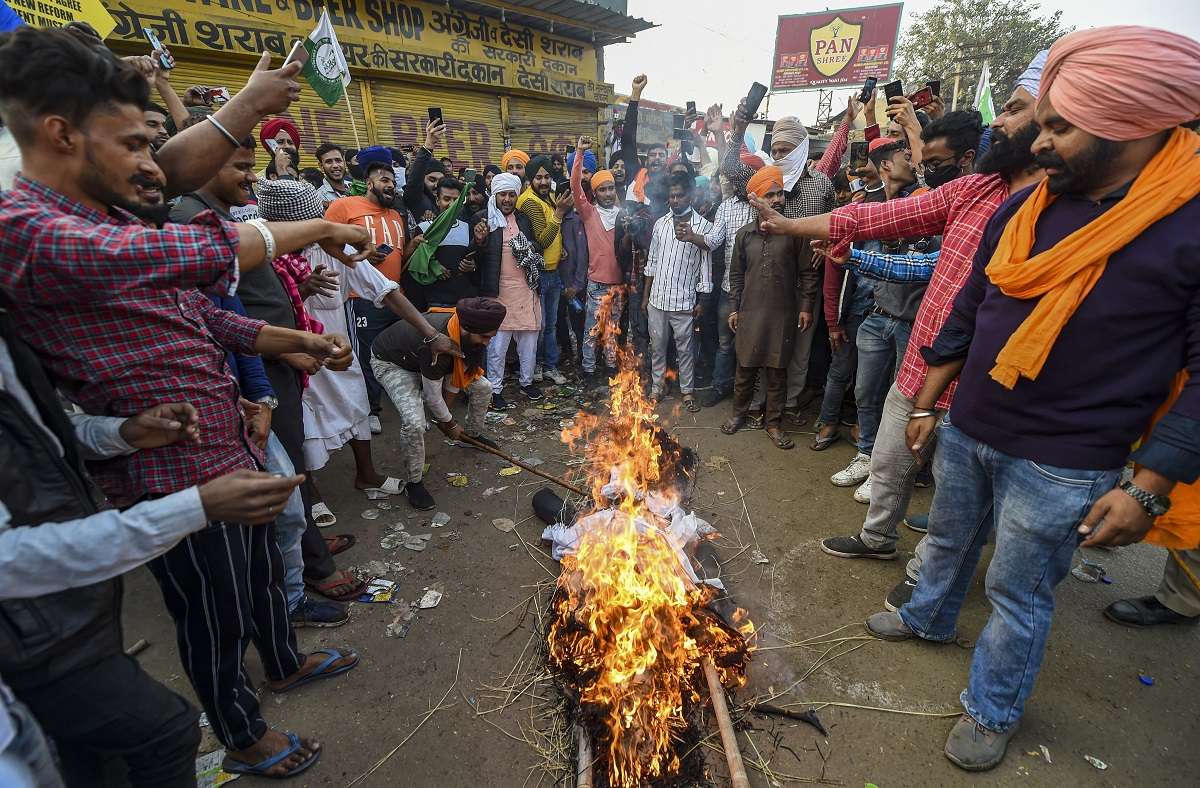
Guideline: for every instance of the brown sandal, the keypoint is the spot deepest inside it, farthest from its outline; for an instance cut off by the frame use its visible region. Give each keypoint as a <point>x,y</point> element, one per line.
<point>351,587</point>
<point>733,425</point>
<point>340,543</point>
<point>780,439</point>
<point>690,404</point>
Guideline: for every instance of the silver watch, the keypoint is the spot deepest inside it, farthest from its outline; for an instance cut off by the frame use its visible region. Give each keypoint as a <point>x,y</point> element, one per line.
<point>1155,505</point>
<point>271,402</point>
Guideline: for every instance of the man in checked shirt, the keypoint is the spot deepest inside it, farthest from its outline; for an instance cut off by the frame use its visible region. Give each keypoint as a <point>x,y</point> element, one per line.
<point>111,305</point>
<point>959,211</point>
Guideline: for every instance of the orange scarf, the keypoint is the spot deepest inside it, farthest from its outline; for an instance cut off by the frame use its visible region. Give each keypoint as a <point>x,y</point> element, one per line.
<point>639,185</point>
<point>1180,527</point>
<point>1062,276</point>
<point>459,377</point>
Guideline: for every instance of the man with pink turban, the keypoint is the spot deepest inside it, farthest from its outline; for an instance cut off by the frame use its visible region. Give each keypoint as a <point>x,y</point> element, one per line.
<point>1077,323</point>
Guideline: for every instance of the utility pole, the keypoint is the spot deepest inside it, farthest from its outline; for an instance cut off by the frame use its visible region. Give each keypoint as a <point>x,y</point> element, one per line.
<point>824,107</point>
<point>964,64</point>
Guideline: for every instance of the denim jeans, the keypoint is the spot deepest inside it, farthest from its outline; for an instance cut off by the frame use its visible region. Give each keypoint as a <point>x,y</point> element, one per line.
<point>881,343</point>
<point>841,371</point>
<point>722,378</point>
<point>1037,509</point>
<point>595,293</point>
<point>289,526</point>
<point>549,289</point>
<point>893,472</point>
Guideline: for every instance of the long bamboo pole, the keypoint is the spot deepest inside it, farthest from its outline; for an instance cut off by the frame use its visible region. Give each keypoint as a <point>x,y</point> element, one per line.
<point>583,755</point>
<point>737,769</point>
<point>467,439</point>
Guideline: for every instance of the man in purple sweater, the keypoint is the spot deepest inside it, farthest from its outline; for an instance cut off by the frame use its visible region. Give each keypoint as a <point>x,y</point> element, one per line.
<point>1062,375</point>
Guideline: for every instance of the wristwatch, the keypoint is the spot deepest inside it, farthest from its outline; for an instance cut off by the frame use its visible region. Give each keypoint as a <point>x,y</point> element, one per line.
<point>1155,505</point>
<point>271,402</point>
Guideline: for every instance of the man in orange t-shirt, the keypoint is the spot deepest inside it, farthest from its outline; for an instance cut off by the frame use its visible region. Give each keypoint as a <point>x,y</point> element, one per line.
<point>374,211</point>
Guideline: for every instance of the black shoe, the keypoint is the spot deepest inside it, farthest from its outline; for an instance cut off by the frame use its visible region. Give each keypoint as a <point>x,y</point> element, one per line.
<point>532,392</point>
<point>853,547</point>
<point>499,403</point>
<point>898,597</point>
<point>1145,611</point>
<point>714,397</point>
<point>418,497</point>
<point>313,613</point>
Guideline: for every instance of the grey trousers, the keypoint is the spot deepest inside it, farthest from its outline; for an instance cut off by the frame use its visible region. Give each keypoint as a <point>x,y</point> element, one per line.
<point>662,324</point>
<point>893,473</point>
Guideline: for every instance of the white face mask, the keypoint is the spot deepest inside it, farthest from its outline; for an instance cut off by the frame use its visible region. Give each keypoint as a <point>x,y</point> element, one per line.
<point>793,164</point>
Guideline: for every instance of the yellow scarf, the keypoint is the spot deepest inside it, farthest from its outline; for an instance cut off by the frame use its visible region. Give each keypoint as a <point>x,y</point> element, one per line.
<point>459,377</point>
<point>1062,276</point>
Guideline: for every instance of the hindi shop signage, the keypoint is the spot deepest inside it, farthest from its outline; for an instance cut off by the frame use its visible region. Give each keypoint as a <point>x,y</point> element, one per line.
<point>835,48</point>
<point>384,36</point>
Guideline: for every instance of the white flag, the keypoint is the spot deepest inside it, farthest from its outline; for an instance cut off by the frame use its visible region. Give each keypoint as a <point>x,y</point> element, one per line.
<point>326,69</point>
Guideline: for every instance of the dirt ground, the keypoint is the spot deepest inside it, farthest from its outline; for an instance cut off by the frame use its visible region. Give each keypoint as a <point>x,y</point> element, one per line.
<point>1088,700</point>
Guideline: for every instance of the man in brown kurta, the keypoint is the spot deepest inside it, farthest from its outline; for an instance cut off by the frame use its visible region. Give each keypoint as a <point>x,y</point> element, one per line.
<point>773,287</point>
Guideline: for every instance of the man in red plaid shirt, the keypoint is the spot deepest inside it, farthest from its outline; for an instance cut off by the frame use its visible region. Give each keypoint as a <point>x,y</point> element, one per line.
<point>959,211</point>
<point>112,307</point>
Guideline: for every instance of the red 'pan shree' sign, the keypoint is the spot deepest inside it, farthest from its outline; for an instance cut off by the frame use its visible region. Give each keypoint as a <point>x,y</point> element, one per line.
<point>835,48</point>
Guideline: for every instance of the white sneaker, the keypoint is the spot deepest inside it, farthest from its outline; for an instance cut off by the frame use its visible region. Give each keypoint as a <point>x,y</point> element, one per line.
<point>376,426</point>
<point>538,377</point>
<point>557,377</point>
<point>863,493</point>
<point>855,473</point>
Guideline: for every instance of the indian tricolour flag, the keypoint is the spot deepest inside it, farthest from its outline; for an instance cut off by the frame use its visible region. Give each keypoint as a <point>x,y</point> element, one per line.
<point>326,69</point>
<point>983,95</point>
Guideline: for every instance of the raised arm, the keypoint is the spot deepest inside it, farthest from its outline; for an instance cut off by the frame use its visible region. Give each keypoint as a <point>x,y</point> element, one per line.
<point>582,204</point>
<point>831,160</point>
<point>191,157</point>
<point>732,168</point>
<point>628,150</point>
<point>414,179</point>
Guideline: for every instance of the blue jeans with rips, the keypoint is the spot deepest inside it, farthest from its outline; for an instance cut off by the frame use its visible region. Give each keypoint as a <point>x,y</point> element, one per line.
<point>881,342</point>
<point>1037,509</point>
<point>595,296</point>
<point>550,288</point>
<point>289,526</point>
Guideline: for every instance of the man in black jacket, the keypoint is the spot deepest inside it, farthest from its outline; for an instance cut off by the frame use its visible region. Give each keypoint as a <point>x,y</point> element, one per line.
<point>423,175</point>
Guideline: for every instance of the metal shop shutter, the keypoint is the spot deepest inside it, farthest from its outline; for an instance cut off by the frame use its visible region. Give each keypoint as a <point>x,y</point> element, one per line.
<point>473,133</point>
<point>540,126</point>
<point>316,121</point>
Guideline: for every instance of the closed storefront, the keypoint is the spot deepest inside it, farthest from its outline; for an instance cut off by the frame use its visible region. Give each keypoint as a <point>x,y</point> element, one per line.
<point>496,80</point>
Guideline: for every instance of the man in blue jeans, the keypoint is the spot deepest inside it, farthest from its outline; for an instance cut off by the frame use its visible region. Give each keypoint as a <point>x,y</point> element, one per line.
<point>1042,424</point>
<point>883,336</point>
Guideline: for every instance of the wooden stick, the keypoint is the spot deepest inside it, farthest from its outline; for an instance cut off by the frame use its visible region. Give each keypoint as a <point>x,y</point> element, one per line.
<point>737,769</point>
<point>583,762</point>
<point>467,439</point>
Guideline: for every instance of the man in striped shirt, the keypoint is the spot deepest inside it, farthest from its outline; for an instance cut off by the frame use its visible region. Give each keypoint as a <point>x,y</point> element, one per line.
<point>679,266</point>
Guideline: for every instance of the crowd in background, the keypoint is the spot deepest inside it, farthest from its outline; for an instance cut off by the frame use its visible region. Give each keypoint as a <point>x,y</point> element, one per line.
<point>222,330</point>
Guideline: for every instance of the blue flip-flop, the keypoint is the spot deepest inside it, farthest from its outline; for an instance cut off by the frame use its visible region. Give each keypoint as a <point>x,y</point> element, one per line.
<point>262,768</point>
<point>322,671</point>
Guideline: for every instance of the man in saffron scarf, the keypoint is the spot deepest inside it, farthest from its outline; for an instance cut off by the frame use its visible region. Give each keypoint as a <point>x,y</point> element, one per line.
<point>1081,310</point>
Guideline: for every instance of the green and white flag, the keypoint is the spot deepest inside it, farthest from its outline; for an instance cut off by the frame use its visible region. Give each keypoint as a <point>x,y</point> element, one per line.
<point>983,95</point>
<point>326,69</point>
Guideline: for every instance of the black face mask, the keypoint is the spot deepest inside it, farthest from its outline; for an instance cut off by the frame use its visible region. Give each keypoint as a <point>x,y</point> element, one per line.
<point>942,175</point>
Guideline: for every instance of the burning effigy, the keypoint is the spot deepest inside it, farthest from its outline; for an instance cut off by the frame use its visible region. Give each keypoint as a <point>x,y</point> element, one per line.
<point>634,633</point>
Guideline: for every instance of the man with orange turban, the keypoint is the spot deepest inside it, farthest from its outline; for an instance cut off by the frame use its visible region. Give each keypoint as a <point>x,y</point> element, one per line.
<point>772,292</point>
<point>1080,316</point>
<point>514,161</point>
<point>604,274</point>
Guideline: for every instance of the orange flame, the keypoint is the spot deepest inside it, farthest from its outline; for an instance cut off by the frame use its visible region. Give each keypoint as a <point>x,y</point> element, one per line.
<point>630,628</point>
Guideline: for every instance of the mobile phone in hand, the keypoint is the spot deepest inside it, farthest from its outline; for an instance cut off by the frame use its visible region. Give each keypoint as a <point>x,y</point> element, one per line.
<point>893,89</point>
<point>871,132</point>
<point>691,108</point>
<point>936,86</point>
<point>435,116</point>
<point>858,155</point>
<point>160,52</point>
<point>868,86</point>
<point>384,249</point>
<point>272,145</point>
<point>922,98</point>
<point>758,91</point>
<point>298,53</point>
<point>217,95</point>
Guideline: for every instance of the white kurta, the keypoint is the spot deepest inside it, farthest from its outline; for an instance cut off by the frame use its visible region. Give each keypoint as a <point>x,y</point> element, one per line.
<point>335,403</point>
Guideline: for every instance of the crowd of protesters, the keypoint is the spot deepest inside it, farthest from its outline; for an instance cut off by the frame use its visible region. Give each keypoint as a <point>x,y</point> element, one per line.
<point>219,332</point>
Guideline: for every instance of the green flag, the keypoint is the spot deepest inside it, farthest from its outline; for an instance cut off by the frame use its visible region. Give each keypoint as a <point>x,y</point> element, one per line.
<point>423,266</point>
<point>983,96</point>
<point>326,69</point>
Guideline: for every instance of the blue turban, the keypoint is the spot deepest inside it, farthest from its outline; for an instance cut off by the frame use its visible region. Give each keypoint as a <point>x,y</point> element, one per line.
<point>376,154</point>
<point>589,161</point>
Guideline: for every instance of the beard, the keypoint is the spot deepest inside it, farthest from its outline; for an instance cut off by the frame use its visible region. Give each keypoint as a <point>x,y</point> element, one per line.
<point>1082,172</point>
<point>382,197</point>
<point>474,356</point>
<point>1009,155</point>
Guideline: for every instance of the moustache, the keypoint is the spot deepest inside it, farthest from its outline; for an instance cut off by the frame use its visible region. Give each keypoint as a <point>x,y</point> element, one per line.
<point>144,182</point>
<point>1051,160</point>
